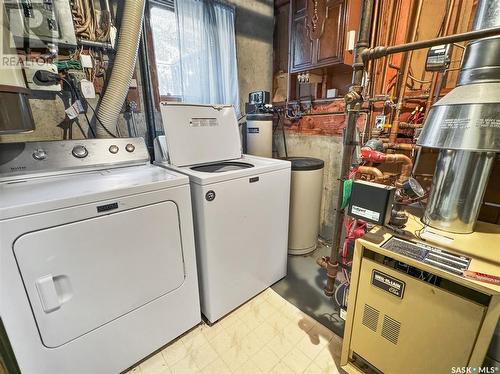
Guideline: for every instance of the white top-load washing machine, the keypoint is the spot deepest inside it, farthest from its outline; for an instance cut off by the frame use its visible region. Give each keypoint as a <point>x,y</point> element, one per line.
<point>97,258</point>
<point>240,204</point>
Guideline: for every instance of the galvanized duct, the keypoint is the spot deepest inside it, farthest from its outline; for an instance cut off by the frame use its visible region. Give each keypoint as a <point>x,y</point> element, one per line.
<point>465,125</point>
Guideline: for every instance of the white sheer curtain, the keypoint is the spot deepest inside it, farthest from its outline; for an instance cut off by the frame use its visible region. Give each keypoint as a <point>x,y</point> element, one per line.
<point>208,52</point>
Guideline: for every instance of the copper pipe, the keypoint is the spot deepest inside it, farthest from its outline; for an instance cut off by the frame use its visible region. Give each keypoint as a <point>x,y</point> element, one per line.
<point>405,67</point>
<point>379,99</point>
<point>372,67</point>
<point>421,81</point>
<point>392,40</point>
<point>400,146</point>
<point>390,26</point>
<point>321,261</point>
<point>369,154</point>
<point>406,167</point>
<point>406,125</point>
<point>373,171</point>
<point>415,98</point>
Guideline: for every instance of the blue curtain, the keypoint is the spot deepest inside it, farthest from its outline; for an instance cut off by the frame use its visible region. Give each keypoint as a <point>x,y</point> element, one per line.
<point>207,45</point>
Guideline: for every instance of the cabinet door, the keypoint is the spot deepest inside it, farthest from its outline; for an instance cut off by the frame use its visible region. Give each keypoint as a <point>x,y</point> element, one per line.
<point>281,37</point>
<point>301,45</point>
<point>329,44</point>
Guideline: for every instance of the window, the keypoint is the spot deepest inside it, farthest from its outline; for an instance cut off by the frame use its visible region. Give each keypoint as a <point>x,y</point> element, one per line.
<point>166,45</point>
<point>195,51</point>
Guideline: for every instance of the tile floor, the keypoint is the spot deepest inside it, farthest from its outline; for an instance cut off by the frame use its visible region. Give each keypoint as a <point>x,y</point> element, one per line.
<point>265,335</point>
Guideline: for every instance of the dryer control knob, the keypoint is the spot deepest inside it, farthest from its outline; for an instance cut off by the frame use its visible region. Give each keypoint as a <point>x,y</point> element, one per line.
<point>130,148</point>
<point>80,151</point>
<point>39,154</point>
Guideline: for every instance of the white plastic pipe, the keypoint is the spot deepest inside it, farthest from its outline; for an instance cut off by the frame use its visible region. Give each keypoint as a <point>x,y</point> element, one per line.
<point>123,67</point>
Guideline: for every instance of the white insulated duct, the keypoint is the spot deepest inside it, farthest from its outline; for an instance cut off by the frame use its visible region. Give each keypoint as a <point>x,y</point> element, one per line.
<point>123,66</point>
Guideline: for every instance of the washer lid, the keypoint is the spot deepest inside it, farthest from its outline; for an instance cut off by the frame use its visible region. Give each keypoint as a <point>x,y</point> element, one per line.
<point>198,134</point>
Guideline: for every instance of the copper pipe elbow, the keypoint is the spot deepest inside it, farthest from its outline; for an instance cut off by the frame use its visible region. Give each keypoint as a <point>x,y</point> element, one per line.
<point>407,165</point>
<point>373,171</point>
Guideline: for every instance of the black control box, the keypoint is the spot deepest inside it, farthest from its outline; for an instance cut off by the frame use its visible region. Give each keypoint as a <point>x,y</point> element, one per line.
<point>258,102</point>
<point>371,202</point>
<point>259,97</point>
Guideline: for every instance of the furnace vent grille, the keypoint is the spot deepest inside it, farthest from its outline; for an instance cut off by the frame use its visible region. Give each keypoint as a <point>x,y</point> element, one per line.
<point>370,317</point>
<point>390,329</point>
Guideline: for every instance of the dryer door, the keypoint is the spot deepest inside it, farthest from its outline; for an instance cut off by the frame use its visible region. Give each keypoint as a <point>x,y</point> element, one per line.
<point>85,274</point>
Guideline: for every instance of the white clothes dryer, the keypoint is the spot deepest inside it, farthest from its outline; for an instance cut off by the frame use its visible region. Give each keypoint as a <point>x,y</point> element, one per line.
<point>97,258</point>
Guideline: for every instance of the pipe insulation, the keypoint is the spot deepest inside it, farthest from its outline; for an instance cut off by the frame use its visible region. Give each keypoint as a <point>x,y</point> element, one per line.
<point>123,66</point>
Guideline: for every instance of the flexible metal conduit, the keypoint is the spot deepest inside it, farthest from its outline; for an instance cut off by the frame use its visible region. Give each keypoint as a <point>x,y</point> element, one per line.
<point>123,67</point>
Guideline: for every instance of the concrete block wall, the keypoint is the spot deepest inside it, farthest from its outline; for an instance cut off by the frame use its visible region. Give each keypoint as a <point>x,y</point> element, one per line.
<point>319,135</point>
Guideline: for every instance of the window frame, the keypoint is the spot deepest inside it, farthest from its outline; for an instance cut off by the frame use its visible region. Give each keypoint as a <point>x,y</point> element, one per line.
<point>151,53</point>
<point>152,57</point>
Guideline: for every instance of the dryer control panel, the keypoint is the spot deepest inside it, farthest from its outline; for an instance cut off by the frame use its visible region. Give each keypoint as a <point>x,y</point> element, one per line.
<point>59,157</point>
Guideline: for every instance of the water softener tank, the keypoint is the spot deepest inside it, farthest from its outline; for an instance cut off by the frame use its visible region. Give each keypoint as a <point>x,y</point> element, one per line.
<point>305,204</point>
<point>260,134</point>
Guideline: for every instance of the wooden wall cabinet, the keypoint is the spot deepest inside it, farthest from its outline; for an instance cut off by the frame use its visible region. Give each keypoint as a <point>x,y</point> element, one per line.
<point>281,36</point>
<point>317,33</point>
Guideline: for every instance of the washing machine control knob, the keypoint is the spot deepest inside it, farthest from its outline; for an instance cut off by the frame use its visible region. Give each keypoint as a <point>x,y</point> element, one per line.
<point>39,154</point>
<point>130,148</point>
<point>80,151</point>
<point>113,149</point>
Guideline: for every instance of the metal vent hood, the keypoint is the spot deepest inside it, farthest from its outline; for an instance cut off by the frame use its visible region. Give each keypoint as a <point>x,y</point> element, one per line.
<point>468,118</point>
<point>465,126</point>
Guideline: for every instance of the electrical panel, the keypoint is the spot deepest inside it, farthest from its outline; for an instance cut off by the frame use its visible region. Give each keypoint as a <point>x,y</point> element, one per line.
<point>37,23</point>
